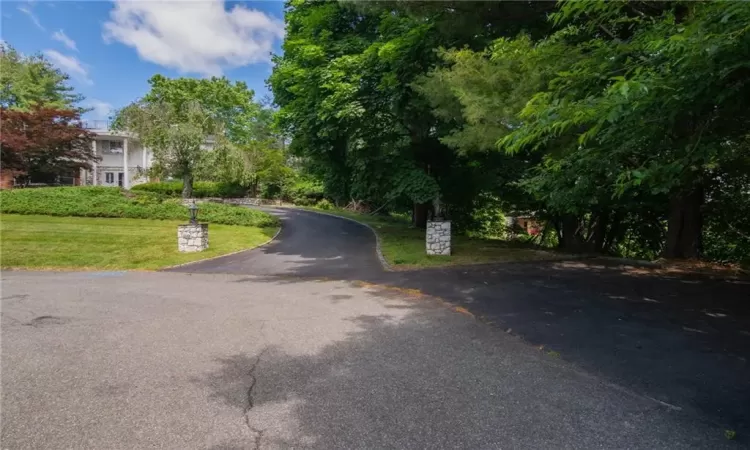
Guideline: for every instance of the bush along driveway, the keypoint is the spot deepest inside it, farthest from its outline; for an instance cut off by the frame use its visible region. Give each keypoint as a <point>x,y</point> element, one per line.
<point>99,201</point>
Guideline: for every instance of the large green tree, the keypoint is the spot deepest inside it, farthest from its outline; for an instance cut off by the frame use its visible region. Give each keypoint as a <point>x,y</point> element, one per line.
<point>652,114</point>
<point>226,102</point>
<point>619,123</point>
<point>345,88</point>
<point>177,136</point>
<point>185,120</point>
<point>32,81</point>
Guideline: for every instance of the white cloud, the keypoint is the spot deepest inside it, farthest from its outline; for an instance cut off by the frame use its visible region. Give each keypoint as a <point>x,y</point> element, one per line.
<point>26,10</point>
<point>69,64</point>
<point>194,36</point>
<point>100,110</point>
<point>62,37</point>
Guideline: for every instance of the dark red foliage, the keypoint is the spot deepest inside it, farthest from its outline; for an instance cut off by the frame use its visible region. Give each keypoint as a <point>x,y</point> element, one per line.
<point>44,140</point>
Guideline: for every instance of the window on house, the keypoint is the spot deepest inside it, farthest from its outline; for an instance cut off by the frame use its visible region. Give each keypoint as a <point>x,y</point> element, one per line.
<point>115,146</point>
<point>109,177</point>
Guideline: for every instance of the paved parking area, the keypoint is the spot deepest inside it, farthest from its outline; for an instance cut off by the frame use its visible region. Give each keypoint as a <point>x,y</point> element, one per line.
<point>308,343</point>
<point>172,360</point>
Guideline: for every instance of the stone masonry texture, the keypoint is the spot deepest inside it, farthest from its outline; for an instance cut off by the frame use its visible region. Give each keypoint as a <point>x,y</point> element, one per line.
<point>192,237</point>
<point>439,238</point>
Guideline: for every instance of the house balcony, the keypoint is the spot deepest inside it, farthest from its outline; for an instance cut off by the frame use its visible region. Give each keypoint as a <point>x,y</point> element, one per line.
<point>102,125</point>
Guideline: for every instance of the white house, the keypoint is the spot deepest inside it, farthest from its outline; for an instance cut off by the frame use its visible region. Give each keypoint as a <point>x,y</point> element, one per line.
<point>124,161</point>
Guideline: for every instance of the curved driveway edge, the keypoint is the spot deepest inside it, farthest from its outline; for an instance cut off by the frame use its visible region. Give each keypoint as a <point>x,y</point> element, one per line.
<point>230,253</point>
<point>378,241</point>
<point>310,244</point>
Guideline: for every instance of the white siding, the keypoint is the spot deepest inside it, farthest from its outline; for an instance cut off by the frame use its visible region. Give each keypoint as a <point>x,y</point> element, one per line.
<point>113,162</point>
<point>107,157</point>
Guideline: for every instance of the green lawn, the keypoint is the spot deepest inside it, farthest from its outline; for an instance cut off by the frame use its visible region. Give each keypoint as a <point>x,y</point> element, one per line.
<point>49,242</point>
<point>404,246</point>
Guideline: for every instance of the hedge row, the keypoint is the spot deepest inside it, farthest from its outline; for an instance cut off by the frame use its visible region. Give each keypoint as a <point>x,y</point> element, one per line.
<point>98,201</point>
<point>201,189</point>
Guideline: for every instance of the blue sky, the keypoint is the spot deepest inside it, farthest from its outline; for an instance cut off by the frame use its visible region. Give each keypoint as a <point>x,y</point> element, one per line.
<point>111,48</point>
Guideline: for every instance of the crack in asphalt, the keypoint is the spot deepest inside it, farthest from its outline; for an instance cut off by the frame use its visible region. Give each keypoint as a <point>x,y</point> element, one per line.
<point>15,297</point>
<point>251,401</point>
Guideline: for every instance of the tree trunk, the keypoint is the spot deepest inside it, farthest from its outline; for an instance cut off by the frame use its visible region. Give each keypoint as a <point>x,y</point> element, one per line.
<point>187,185</point>
<point>419,215</point>
<point>614,232</point>
<point>570,241</point>
<point>600,232</point>
<point>685,225</point>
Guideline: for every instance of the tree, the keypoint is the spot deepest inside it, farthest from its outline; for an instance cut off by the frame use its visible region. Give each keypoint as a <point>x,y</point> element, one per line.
<point>622,124</point>
<point>230,104</point>
<point>29,81</point>
<point>260,165</point>
<point>175,134</point>
<point>178,116</point>
<point>44,141</point>
<point>478,95</point>
<point>345,90</point>
<point>653,109</point>
<point>258,160</point>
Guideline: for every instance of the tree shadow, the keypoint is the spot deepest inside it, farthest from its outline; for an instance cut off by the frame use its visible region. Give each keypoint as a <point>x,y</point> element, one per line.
<point>682,339</point>
<point>428,379</point>
<point>684,344</point>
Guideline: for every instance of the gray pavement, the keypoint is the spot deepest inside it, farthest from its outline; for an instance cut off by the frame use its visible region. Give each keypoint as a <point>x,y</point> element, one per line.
<point>309,245</point>
<point>171,360</point>
<point>684,340</point>
<point>308,343</point>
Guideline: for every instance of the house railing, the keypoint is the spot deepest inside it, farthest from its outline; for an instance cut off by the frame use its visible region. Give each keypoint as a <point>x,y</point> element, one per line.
<point>96,124</point>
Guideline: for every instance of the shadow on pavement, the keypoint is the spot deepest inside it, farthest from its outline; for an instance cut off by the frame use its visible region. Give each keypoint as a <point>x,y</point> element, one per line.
<point>403,381</point>
<point>683,343</point>
<point>682,340</point>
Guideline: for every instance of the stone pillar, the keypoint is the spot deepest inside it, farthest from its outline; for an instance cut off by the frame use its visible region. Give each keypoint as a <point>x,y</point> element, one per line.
<point>192,237</point>
<point>439,237</point>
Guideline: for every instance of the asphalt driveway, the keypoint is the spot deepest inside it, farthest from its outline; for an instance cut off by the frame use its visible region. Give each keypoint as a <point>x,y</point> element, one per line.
<point>309,245</point>
<point>308,343</point>
<point>681,340</point>
<point>171,360</point>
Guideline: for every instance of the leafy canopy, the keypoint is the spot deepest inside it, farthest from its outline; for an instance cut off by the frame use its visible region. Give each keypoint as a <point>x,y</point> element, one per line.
<point>44,141</point>
<point>29,81</point>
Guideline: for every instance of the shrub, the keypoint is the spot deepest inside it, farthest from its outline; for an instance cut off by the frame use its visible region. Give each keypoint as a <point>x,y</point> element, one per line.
<point>201,189</point>
<point>324,204</point>
<point>304,192</point>
<point>167,188</point>
<point>98,201</point>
